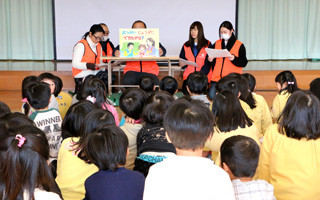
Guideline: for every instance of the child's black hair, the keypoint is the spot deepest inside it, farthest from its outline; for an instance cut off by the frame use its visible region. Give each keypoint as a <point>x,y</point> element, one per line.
<point>315,87</point>
<point>241,155</point>
<point>74,118</point>
<point>251,80</point>
<point>300,117</point>
<point>38,95</point>
<point>156,106</point>
<point>95,120</point>
<point>229,112</point>
<point>288,78</point>
<point>146,84</point>
<point>197,82</point>
<point>189,124</point>
<point>4,109</point>
<point>132,102</point>
<point>107,147</point>
<point>169,84</point>
<point>245,94</point>
<point>27,80</point>
<point>24,155</point>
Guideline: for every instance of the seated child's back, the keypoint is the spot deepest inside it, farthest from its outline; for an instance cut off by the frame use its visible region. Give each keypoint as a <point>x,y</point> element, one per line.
<point>239,158</point>
<point>197,84</point>
<point>131,103</point>
<point>188,175</point>
<point>49,120</point>
<point>107,149</point>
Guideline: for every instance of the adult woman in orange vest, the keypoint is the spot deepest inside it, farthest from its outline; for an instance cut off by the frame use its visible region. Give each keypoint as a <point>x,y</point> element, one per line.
<point>86,55</point>
<point>134,70</point>
<point>194,50</point>
<point>225,66</point>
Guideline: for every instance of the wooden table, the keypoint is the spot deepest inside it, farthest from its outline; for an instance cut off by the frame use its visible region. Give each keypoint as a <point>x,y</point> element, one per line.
<point>124,59</point>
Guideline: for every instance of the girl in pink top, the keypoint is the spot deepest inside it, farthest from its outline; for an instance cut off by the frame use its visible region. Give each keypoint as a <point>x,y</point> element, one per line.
<point>94,90</point>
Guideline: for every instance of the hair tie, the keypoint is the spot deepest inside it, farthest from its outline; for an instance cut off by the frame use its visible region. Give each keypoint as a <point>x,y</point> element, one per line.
<point>91,98</point>
<point>24,100</point>
<point>21,140</point>
<point>290,83</point>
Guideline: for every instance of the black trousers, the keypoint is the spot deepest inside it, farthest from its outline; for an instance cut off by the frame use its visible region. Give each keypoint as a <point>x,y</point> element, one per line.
<point>132,78</point>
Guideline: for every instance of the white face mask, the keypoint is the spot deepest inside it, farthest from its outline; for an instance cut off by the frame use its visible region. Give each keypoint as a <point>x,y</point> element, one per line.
<point>225,36</point>
<point>104,38</point>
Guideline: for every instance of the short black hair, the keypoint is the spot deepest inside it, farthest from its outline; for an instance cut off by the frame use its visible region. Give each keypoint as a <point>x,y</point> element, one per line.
<point>197,82</point>
<point>251,80</point>
<point>300,117</point>
<point>188,124</point>
<point>169,84</point>
<point>155,107</point>
<point>146,84</point>
<point>74,118</point>
<point>107,147</point>
<point>57,81</point>
<point>4,109</point>
<point>241,154</point>
<point>228,83</point>
<point>289,78</point>
<point>229,112</point>
<point>132,101</point>
<point>315,87</point>
<point>139,21</point>
<point>130,43</point>
<point>38,95</point>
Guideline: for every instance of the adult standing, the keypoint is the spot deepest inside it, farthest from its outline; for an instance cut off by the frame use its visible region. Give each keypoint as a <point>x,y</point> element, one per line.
<point>134,70</point>
<point>86,55</point>
<point>194,50</point>
<point>226,65</point>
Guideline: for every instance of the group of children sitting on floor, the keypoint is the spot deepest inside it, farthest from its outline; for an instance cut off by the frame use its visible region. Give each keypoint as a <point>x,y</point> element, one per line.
<point>164,147</point>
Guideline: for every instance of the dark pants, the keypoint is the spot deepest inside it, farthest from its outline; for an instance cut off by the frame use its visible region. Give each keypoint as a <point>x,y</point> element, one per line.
<point>132,78</point>
<point>142,166</point>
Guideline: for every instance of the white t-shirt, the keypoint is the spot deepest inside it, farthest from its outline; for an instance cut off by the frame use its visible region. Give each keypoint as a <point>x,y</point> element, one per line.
<point>49,121</point>
<point>187,177</point>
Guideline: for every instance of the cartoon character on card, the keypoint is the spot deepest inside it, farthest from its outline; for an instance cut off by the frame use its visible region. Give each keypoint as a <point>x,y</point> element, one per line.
<point>129,50</point>
<point>151,49</point>
<point>142,50</point>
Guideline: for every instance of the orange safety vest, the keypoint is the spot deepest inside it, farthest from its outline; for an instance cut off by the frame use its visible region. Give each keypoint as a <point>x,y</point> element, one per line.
<point>200,60</point>
<point>109,52</point>
<point>89,56</point>
<point>224,66</point>
<point>142,66</point>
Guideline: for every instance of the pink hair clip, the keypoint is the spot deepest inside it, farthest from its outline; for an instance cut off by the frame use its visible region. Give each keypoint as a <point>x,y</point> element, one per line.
<point>21,139</point>
<point>24,100</point>
<point>290,83</point>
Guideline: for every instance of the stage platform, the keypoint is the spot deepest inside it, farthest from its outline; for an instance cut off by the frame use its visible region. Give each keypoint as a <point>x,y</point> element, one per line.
<point>13,72</point>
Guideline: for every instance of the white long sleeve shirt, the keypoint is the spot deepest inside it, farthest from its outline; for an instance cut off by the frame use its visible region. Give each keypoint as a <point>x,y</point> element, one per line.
<point>78,52</point>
